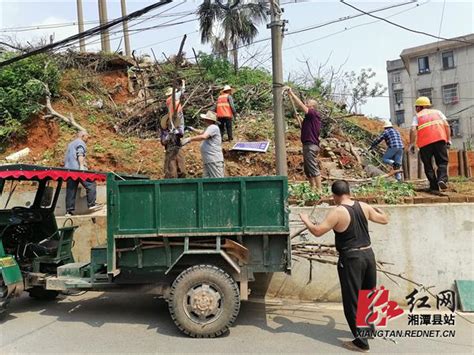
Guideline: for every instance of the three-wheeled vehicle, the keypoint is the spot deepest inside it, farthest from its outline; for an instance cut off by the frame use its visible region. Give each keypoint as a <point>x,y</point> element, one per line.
<point>196,242</point>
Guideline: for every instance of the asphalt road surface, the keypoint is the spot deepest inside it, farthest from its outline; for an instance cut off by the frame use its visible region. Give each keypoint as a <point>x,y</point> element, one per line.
<point>136,323</point>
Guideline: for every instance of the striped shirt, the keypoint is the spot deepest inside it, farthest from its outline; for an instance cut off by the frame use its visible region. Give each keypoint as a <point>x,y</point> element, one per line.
<point>391,136</point>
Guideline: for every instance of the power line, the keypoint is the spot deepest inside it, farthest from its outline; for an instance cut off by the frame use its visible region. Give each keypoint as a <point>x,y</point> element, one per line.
<point>406,28</point>
<point>113,33</point>
<point>350,28</point>
<point>319,25</point>
<point>74,23</point>
<point>85,34</point>
<point>160,14</point>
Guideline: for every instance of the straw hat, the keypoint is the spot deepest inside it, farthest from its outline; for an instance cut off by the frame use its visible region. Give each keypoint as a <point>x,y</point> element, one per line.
<point>164,122</point>
<point>210,116</point>
<point>227,88</point>
<point>387,124</point>
<point>169,91</point>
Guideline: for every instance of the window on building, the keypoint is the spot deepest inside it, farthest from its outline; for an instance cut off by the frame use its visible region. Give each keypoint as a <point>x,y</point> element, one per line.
<point>450,94</point>
<point>448,60</point>
<point>396,78</point>
<point>426,92</point>
<point>455,127</point>
<point>423,65</point>
<point>398,94</point>
<point>400,117</point>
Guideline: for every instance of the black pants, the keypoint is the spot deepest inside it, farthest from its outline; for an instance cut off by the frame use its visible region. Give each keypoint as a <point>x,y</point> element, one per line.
<point>357,271</point>
<point>439,151</point>
<point>71,191</point>
<point>226,124</point>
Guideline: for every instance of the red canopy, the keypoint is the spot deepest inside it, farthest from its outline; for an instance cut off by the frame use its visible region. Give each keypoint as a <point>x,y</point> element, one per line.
<point>52,174</point>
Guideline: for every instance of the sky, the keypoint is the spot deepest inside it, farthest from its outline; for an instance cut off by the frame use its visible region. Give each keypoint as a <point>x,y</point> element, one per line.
<point>351,45</point>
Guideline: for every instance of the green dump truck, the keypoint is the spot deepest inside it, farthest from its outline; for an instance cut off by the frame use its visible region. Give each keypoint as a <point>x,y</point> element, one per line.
<point>196,242</point>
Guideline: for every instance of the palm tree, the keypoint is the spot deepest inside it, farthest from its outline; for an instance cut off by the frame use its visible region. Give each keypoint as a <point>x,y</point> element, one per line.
<point>230,25</point>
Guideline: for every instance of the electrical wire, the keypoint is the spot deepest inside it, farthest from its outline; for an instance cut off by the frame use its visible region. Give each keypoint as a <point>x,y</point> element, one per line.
<point>84,34</point>
<point>350,28</point>
<point>75,23</point>
<point>406,28</point>
<point>135,24</point>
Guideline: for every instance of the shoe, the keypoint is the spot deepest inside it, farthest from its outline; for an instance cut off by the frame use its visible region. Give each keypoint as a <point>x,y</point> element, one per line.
<point>349,345</point>
<point>69,214</point>
<point>434,192</point>
<point>95,208</point>
<point>442,185</point>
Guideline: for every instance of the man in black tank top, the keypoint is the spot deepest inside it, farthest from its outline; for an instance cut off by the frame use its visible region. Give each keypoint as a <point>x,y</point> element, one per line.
<point>356,266</point>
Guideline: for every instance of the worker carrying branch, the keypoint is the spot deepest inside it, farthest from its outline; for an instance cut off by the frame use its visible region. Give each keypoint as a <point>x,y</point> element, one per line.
<point>310,129</point>
<point>226,111</point>
<point>356,266</point>
<point>432,134</point>
<point>172,130</point>
<point>394,154</point>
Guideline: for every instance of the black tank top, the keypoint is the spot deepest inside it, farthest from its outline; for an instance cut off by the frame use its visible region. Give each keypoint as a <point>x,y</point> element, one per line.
<point>357,233</point>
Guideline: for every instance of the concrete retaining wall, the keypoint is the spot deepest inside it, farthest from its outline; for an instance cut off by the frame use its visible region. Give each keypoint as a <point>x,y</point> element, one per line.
<point>431,244</point>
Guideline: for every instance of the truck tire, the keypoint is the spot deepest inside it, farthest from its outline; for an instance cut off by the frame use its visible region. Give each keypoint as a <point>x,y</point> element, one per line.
<point>204,301</point>
<point>40,293</point>
<point>4,300</point>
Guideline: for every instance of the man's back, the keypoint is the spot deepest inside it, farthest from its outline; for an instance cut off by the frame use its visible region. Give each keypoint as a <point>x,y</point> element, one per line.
<point>75,148</point>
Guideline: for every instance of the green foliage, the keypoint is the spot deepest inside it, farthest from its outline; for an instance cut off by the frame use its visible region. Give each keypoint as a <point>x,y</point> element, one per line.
<point>392,192</point>
<point>22,91</point>
<point>98,148</point>
<point>254,86</point>
<point>127,145</point>
<point>304,193</point>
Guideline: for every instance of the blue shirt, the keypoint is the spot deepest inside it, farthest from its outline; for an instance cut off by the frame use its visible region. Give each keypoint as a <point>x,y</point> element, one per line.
<point>391,136</point>
<point>75,149</point>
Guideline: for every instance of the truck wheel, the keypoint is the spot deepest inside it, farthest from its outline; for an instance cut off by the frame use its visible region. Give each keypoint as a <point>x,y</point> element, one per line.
<point>204,301</point>
<point>40,293</point>
<point>4,300</point>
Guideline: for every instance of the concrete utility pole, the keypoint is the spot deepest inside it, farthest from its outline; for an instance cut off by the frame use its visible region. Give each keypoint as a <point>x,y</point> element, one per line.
<point>80,25</point>
<point>104,35</point>
<point>126,39</point>
<point>276,26</point>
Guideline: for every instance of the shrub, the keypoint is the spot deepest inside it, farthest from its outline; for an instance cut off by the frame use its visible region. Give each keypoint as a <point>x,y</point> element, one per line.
<point>22,91</point>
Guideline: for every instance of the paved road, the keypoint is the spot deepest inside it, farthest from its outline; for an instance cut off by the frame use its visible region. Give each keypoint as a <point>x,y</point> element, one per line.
<point>133,323</point>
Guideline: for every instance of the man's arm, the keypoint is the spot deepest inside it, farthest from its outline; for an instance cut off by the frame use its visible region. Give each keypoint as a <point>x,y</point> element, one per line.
<point>446,126</point>
<point>232,105</point>
<point>376,215</point>
<point>325,226</point>
<point>377,140</point>
<point>200,137</point>
<point>297,101</point>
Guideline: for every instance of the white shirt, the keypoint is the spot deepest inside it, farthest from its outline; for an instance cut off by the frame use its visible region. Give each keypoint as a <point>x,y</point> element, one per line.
<point>415,118</point>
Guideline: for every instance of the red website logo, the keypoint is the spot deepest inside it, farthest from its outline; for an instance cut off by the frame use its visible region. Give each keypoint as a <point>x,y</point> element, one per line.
<point>374,308</point>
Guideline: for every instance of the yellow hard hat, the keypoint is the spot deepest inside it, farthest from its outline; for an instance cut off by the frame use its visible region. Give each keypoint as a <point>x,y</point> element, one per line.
<point>423,101</point>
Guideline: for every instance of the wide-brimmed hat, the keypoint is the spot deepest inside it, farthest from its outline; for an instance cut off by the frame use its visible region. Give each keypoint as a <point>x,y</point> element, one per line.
<point>210,116</point>
<point>164,122</point>
<point>227,88</point>
<point>387,124</point>
<point>169,91</point>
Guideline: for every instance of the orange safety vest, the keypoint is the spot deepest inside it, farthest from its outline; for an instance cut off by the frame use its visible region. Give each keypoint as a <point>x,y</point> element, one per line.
<point>223,106</point>
<point>431,128</point>
<point>169,104</point>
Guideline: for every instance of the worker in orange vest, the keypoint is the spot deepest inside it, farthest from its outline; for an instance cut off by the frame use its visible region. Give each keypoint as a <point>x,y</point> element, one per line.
<point>225,111</point>
<point>432,134</point>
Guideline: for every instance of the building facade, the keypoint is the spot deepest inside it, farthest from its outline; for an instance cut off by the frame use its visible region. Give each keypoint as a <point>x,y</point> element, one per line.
<point>442,71</point>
